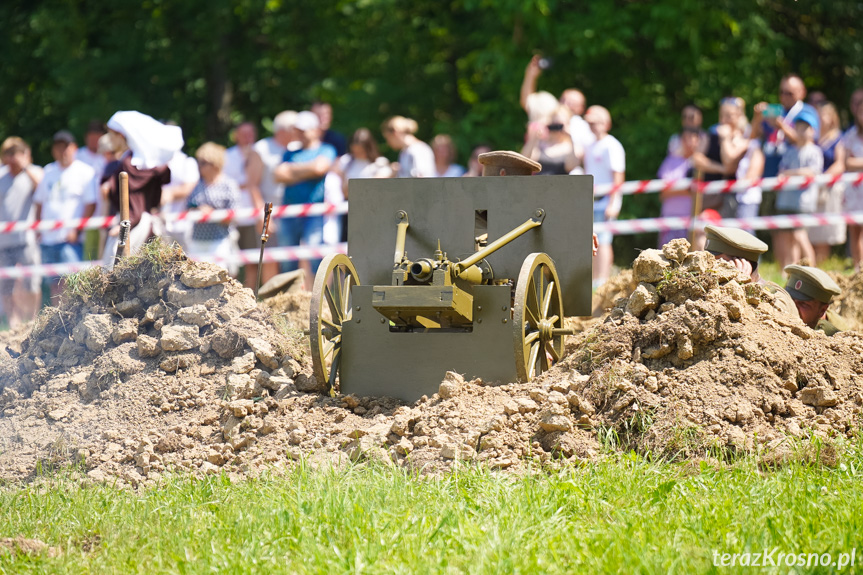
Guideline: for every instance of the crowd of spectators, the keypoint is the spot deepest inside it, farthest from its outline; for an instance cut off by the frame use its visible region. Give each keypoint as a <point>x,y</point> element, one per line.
<point>306,161</point>
<point>798,136</point>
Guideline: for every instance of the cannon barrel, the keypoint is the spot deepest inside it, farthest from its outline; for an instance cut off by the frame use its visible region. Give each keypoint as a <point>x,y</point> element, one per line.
<point>533,222</point>
<point>421,270</point>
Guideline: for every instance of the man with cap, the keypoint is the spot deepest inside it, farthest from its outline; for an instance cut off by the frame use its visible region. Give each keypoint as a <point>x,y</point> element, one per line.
<point>506,163</point>
<point>68,190</point>
<point>743,250</point>
<point>303,172</point>
<point>812,290</point>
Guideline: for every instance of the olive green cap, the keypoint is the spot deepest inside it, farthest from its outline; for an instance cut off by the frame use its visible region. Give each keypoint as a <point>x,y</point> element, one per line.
<point>513,164</point>
<point>734,243</point>
<point>807,283</point>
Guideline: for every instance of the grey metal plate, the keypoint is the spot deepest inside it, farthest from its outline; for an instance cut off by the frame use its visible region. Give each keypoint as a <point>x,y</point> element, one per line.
<point>378,362</point>
<point>444,208</point>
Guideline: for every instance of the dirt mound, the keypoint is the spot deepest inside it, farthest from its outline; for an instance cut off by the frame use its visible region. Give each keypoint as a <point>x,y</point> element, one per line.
<point>169,365</point>
<point>698,357</point>
<point>849,304</point>
<point>161,363</point>
<point>292,307</point>
<point>618,286</point>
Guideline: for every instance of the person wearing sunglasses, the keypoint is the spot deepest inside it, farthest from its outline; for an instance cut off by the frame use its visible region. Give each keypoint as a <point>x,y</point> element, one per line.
<point>774,124</point>
<point>550,144</point>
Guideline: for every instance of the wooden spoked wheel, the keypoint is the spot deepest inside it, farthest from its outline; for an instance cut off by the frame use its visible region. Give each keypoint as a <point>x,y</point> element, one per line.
<point>330,310</point>
<point>537,317</point>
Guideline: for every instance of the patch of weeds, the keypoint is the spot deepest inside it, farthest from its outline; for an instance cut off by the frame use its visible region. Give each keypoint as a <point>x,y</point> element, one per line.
<point>639,424</point>
<point>603,387</point>
<point>608,438</point>
<point>86,284</point>
<point>155,258</point>
<point>590,353</point>
<point>669,279</point>
<point>678,285</point>
<point>51,320</point>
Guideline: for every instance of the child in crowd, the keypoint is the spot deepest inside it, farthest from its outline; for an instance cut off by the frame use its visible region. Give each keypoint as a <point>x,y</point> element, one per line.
<point>803,159</point>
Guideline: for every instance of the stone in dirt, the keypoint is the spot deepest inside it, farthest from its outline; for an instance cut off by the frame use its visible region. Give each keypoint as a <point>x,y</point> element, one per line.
<point>551,421</point>
<point>179,361</point>
<point>650,266</point>
<point>178,337</point>
<point>643,298</point>
<point>265,352</point>
<point>676,250</point>
<point>308,384</point>
<point>183,296</point>
<point>204,275</point>
<point>244,363</point>
<point>129,307</point>
<point>451,385</point>
<point>194,315</point>
<point>125,330</point>
<point>94,331</point>
<point>148,346</point>
<point>227,342</point>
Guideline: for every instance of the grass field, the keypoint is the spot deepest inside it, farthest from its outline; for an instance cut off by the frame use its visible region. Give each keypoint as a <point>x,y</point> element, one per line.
<point>622,515</point>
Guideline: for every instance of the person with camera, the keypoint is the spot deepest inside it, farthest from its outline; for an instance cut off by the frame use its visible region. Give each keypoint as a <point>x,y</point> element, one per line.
<point>774,123</point>
<point>549,144</point>
<point>573,99</point>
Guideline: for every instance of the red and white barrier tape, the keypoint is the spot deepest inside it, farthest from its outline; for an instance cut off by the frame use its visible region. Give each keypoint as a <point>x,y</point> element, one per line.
<point>728,186</point>
<point>627,227</point>
<point>325,209</point>
<point>242,257</point>
<point>104,222</point>
<point>618,228</point>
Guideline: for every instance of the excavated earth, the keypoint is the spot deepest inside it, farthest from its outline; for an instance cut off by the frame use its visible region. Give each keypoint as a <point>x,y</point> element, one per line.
<point>849,304</point>
<point>167,365</point>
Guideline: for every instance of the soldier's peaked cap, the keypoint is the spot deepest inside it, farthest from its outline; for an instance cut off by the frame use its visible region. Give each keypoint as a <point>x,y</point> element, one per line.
<point>514,163</point>
<point>733,242</point>
<point>807,283</point>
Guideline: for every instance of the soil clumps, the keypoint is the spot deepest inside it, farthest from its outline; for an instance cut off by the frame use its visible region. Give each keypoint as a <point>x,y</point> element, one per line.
<point>167,365</point>
<point>849,304</point>
<point>699,358</point>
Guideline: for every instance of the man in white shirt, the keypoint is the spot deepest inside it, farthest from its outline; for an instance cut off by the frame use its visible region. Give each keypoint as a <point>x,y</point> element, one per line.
<point>582,137</point>
<point>18,180</point>
<point>68,190</point>
<point>89,154</point>
<point>272,152</point>
<point>605,160</point>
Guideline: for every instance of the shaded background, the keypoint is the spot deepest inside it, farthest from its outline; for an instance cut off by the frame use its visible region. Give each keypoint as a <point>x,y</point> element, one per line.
<point>455,67</point>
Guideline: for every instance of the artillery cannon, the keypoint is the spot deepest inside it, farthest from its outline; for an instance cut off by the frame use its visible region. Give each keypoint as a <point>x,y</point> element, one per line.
<point>493,311</point>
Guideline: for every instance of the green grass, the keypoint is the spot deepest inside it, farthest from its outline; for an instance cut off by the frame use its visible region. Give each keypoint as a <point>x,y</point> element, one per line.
<point>624,514</point>
<point>85,283</point>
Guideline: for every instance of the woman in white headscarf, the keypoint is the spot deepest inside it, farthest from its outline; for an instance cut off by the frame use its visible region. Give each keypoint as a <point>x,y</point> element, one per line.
<point>146,146</point>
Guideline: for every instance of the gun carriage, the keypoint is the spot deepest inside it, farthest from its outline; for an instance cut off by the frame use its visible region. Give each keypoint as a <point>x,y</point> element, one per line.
<point>446,298</point>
